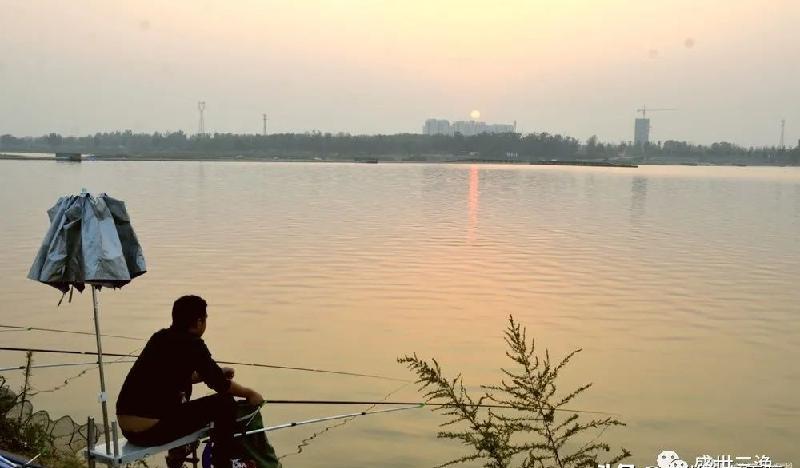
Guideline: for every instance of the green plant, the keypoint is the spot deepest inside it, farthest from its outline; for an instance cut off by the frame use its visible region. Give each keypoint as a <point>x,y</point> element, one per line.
<point>524,419</point>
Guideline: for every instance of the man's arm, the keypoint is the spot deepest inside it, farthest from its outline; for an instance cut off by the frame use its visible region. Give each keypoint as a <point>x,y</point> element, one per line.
<point>227,371</point>
<point>219,379</point>
<point>253,397</point>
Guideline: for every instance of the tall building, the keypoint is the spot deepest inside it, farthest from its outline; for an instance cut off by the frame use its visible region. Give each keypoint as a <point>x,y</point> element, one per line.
<point>641,132</point>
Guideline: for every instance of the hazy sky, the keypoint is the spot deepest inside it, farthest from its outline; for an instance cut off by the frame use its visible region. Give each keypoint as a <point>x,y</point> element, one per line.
<point>731,68</point>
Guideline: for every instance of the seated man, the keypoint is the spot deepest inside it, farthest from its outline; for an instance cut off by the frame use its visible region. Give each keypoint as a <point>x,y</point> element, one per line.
<point>152,407</point>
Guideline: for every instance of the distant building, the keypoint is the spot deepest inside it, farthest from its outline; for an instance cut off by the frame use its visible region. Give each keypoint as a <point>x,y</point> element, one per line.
<point>501,128</point>
<point>437,127</point>
<point>469,127</point>
<point>641,132</point>
<point>464,127</point>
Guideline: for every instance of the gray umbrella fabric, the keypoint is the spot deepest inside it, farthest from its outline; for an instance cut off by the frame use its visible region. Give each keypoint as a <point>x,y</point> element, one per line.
<point>90,241</point>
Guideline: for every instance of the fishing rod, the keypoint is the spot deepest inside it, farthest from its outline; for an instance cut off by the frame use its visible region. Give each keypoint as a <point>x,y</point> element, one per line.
<point>384,402</point>
<point>16,328</point>
<point>67,364</point>
<point>327,418</point>
<point>249,364</point>
<point>308,369</point>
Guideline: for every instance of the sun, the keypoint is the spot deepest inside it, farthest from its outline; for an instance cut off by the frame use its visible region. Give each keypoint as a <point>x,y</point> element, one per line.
<point>475,114</point>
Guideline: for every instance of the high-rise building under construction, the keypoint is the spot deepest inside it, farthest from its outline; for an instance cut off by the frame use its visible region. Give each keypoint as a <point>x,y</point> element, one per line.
<point>641,132</point>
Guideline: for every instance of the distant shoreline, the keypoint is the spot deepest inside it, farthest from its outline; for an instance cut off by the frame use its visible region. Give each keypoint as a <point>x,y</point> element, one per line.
<point>195,158</point>
<point>435,159</point>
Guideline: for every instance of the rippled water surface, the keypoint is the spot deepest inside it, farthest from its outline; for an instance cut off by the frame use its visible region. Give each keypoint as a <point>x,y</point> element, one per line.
<point>681,284</point>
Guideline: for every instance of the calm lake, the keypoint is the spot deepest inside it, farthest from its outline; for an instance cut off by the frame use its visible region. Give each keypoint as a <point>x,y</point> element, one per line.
<point>681,284</point>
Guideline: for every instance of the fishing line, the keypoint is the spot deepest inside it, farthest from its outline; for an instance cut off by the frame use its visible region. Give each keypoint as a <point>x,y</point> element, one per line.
<point>307,441</point>
<point>250,364</point>
<point>69,380</point>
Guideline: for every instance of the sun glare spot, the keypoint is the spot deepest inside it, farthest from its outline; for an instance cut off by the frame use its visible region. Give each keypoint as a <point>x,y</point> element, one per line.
<point>476,114</point>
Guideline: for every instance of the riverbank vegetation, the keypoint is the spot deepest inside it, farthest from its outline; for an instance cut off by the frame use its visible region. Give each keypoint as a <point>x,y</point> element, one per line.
<point>524,421</point>
<point>33,434</point>
<point>507,147</point>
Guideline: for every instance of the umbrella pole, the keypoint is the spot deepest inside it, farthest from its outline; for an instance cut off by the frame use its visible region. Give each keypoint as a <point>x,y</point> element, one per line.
<point>103,395</point>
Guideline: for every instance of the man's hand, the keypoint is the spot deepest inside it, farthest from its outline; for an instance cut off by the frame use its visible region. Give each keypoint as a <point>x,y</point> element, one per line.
<point>228,372</point>
<point>254,398</point>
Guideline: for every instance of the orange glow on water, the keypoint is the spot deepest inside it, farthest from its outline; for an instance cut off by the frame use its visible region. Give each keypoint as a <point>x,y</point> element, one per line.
<point>474,193</point>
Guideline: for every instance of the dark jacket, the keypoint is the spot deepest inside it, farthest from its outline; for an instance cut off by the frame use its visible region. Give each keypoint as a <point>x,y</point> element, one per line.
<point>163,371</point>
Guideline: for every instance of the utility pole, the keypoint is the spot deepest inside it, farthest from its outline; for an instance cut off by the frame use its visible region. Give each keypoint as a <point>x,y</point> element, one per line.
<point>264,116</point>
<point>201,128</point>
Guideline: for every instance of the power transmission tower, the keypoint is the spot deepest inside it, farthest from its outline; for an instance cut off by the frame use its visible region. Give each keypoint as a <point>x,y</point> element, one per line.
<point>201,128</point>
<point>264,116</point>
<point>781,143</point>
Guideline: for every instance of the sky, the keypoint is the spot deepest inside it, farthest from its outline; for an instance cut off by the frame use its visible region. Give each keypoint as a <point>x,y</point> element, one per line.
<point>728,68</point>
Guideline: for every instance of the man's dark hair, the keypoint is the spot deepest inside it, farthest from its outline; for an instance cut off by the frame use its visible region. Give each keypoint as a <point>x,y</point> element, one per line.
<point>187,310</point>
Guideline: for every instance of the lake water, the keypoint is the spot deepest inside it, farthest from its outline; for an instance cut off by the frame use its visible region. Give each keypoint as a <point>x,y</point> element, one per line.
<point>681,284</point>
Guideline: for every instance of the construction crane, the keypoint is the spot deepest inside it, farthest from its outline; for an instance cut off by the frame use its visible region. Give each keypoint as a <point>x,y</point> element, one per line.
<point>644,110</point>
<point>641,129</point>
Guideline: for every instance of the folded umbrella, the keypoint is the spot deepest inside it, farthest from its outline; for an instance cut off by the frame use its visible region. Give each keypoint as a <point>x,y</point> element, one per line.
<point>90,241</point>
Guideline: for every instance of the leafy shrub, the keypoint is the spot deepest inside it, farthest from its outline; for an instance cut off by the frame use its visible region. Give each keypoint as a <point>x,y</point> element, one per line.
<point>524,420</point>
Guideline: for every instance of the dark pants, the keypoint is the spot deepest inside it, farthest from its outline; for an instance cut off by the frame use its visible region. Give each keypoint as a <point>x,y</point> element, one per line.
<point>189,417</point>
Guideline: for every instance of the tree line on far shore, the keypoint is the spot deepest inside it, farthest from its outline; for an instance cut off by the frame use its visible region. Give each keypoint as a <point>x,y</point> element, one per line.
<point>402,146</point>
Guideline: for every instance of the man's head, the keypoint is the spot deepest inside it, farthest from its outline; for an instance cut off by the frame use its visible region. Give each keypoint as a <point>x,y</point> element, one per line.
<point>189,314</point>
